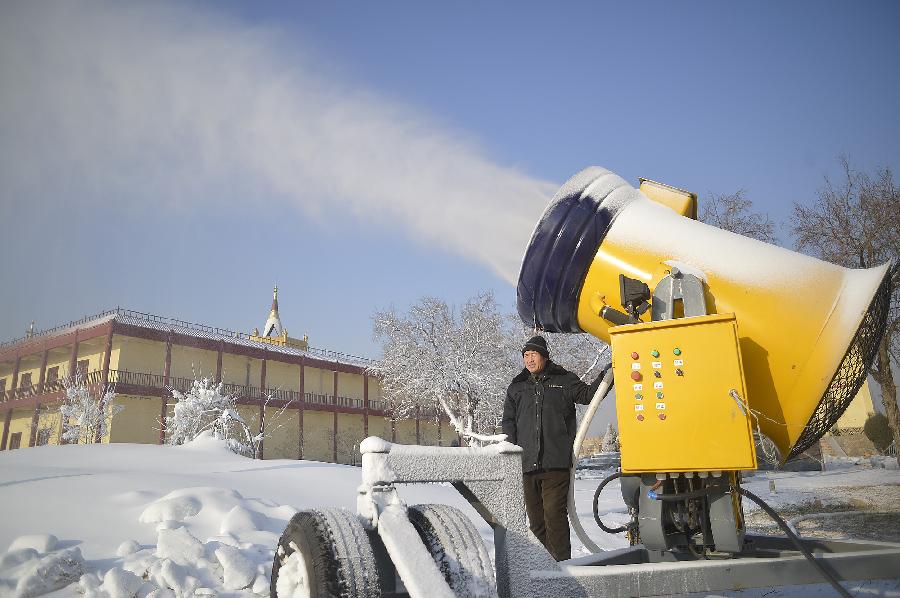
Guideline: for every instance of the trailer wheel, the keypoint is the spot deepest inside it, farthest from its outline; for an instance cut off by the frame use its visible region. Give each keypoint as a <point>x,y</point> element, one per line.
<point>324,553</point>
<point>456,547</point>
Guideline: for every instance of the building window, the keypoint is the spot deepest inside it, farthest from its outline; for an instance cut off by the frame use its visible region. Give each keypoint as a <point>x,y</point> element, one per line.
<point>82,370</point>
<point>2,385</point>
<point>53,374</point>
<point>26,381</point>
<point>15,440</point>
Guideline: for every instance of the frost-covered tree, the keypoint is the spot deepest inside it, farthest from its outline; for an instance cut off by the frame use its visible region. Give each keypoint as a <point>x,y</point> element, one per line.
<point>86,411</point>
<point>206,408</point>
<point>610,440</point>
<point>459,362</point>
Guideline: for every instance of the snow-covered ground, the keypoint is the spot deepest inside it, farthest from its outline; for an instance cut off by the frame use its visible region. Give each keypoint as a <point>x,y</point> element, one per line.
<point>125,520</point>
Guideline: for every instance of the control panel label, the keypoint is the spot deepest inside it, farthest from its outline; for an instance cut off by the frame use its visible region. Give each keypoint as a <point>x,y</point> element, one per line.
<point>638,407</point>
<point>639,387</point>
<point>636,365</point>
<point>657,365</point>
<point>657,385</point>
<point>660,405</point>
<point>679,362</point>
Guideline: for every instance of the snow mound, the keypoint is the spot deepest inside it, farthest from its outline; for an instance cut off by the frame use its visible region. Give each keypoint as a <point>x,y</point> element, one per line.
<point>170,509</point>
<point>42,543</point>
<point>240,520</point>
<point>14,558</point>
<point>179,546</point>
<point>170,575</point>
<point>240,571</point>
<point>206,441</point>
<point>118,583</point>
<point>127,547</point>
<point>40,575</point>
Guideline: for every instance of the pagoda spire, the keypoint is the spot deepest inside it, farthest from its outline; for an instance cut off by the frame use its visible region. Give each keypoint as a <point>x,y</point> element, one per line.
<point>273,325</point>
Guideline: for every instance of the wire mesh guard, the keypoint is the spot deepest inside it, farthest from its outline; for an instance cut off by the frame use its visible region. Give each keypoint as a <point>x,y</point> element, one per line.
<point>851,373</point>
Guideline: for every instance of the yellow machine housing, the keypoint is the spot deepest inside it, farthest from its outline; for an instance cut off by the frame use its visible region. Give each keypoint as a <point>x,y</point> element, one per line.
<point>680,396</point>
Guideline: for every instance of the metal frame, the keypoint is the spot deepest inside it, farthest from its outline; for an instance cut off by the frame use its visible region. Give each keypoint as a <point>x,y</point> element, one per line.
<point>490,479</point>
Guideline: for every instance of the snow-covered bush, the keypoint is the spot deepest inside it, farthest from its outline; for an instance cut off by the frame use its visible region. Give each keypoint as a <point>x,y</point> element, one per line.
<point>86,412</point>
<point>205,407</point>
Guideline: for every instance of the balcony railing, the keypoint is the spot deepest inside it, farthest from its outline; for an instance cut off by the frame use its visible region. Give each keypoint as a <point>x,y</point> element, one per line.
<point>149,380</point>
<point>94,378</point>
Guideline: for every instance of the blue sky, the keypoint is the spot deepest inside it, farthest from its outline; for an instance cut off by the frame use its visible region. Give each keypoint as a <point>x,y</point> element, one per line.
<point>181,158</point>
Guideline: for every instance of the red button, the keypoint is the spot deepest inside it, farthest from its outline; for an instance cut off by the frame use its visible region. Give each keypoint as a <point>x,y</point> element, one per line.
<point>662,416</point>
<point>636,376</point>
<point>640,417</point>
<point>634,355</point>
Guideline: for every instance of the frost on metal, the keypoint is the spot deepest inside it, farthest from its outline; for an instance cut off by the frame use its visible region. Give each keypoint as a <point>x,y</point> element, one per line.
<point>492,478</point>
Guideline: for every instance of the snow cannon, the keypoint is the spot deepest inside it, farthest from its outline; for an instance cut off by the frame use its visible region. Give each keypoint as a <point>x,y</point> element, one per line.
<point>720,344</point>
<point>605,254</point>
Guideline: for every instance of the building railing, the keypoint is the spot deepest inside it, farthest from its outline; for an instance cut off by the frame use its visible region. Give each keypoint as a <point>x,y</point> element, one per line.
<point>148,380</point>
<point>23,392</point>
<point>176,323</point>
<point>61,327</point>
<point>224,332</point>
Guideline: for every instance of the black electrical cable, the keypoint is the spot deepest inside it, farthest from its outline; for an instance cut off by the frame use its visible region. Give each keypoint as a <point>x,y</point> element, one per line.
<point>803,549</point>
<point>608,530</point>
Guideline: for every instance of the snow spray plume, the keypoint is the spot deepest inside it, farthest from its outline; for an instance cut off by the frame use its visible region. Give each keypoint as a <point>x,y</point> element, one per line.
<point>160,102</point>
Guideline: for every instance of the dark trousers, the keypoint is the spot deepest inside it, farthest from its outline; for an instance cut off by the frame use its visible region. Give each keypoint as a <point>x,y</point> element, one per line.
<point>546,502</point>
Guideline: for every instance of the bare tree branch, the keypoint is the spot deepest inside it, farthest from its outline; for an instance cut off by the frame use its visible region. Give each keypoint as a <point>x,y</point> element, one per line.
<point>735,213</point>
<point>855,222</point>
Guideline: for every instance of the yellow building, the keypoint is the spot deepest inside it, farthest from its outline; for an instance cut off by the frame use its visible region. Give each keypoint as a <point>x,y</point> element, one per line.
<point>859,410</point>
<point>320,405</point>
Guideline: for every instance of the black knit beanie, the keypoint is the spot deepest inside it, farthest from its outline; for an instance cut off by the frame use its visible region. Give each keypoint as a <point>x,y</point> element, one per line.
<point>537,343</point>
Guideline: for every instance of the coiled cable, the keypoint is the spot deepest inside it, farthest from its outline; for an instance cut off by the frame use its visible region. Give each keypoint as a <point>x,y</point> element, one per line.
<point>608,530</point>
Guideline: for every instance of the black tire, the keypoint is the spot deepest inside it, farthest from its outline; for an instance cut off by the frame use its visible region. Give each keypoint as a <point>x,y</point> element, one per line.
<point>457,548</point>
<point>333,557</point>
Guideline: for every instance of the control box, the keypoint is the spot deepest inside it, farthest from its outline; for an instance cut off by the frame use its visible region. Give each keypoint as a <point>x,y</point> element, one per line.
<point>680,396</point>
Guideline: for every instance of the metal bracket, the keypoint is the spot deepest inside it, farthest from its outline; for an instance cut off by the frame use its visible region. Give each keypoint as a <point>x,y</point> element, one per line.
<point>678,286</point>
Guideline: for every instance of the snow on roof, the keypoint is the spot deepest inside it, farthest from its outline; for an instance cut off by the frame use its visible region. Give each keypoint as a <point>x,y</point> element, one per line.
<point>154,322</point>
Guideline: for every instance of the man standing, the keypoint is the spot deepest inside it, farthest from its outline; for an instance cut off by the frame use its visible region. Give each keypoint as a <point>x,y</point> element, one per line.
<point>539,416</point>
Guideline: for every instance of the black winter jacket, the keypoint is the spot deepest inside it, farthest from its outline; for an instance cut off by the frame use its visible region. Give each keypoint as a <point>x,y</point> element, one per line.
<point>539,415</point>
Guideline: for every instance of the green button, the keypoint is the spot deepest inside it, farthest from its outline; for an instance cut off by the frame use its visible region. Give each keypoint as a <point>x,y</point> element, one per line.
<point>654,353</point>
<point>639,396</point>
<point>677,351</point>
<point>659,395</point>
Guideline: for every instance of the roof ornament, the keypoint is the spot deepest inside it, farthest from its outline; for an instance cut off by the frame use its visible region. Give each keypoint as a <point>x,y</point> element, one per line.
<point>273,325</point>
